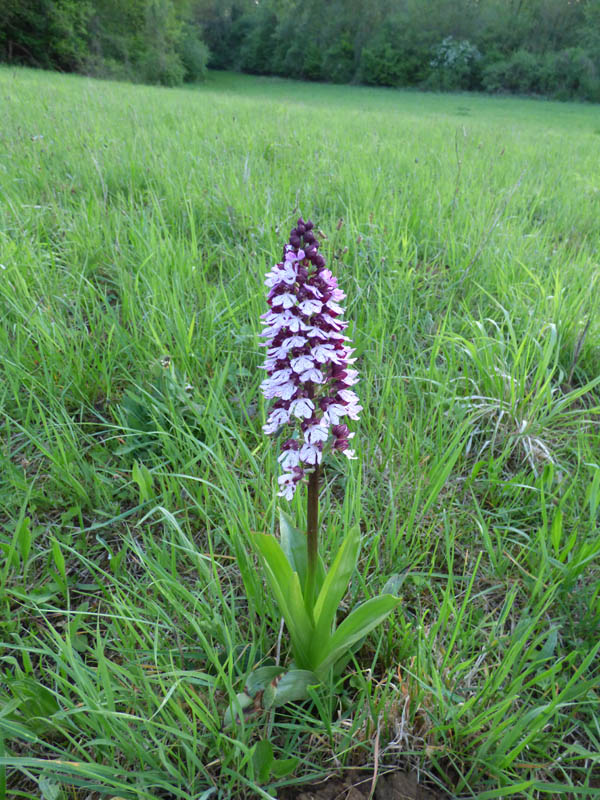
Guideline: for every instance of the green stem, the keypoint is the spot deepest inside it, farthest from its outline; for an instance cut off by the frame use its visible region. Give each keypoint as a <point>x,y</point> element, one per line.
<point>312,534</point>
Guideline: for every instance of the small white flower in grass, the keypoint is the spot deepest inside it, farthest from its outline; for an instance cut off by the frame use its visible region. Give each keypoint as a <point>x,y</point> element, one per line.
<point>289,459</point>
<point>296,325</point>
<point>334,413</point>
<point>333,306</point>
<point>279,416</point>
<point>302,408</point>
<point>287,485</point>
<point>310,454</point>
<point>316,433</point>
<point>313,375</point>
<point>352,411</point>
<point>317,333</point>
<point>285,275</point>
<point>347,396</point>
<point>310,307</point>
<point>293,341</point>
<point>271,427</point>
<point>326,352</point>
<point>351,377</point>
<point>301,364</point>
<point>281,376</point>
<point>286,300</point>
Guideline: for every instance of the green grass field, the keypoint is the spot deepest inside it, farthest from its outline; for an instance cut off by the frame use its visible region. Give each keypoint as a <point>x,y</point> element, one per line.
<point>136,225</point>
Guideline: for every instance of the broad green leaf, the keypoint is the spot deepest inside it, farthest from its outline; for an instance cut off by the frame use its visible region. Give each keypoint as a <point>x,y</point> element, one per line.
<point>283,766</point>
<point>556,531</point>
<point>59,560</point>
<point>262,759</point>
<point>293,544</point>
<point>261,677</point>
<point>356,625</point>
<point>334,587</point>
<point>285,585</point>
<point>394,583</point>
<point>24,537</point>
<point>293,686</point>
<point>49,788</point>
<point>143,477</point>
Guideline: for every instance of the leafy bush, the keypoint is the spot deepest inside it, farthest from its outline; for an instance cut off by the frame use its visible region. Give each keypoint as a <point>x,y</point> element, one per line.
<point>382,65</point>
<point>162,66</point>
<point>68,22</point>
<point>455,65</point>
<point>194,55</point>
<point>523,72</point>
<point>338,61</point>
<point>564,74</point>
<point>572,73</point>
<point>258,46</point>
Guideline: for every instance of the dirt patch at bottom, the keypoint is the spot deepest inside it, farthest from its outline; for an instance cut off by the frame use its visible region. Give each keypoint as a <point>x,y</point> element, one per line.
<point>390,786</point>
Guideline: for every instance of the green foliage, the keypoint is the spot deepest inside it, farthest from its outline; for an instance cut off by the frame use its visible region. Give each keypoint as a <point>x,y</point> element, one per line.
<point>194,54</point>
<point>382,65</point>
<point>149,40</point>
<point>318,644</point>
<point>338,60</point>
<point>540,47</point>
<point>455,65</point>
<point>523,72</point>
<point>138,223</point>
<point>258,39</point>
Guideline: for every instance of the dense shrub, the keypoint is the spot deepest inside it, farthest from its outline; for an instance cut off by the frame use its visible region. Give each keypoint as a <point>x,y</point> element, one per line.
<point>256,52</point>
<point>522,72</point>
<point>381,65</point>
<point>396,55</point>
<point>338,60</point>
<point>562,75</point>
<point>194,54</point>
<point>455,65</point>
<point>572,73</point>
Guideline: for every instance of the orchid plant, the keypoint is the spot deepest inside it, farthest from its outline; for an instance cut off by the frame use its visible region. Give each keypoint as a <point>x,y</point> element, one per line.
<point>309,379</point>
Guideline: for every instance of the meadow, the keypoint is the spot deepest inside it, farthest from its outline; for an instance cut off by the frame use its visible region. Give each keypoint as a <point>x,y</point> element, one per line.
<point>136,226</point>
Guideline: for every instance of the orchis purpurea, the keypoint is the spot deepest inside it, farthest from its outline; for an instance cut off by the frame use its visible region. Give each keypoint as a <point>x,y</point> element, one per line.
<point>308,360</point>
<point>309,376</point>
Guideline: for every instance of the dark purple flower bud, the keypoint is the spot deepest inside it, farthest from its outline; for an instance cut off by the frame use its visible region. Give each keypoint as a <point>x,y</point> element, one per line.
<point>340,431</point>
<point>295,240</point>
<point>309,237</point>
<point>301,221</point>
<point>311,251</point>
<point>319,262</point>
<point>309,225</point>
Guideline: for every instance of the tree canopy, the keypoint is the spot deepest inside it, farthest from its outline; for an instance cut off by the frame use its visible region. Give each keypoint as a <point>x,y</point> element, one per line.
<point>545,47</point>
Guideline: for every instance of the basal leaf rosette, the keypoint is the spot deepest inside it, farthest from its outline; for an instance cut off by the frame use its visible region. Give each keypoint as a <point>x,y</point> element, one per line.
<point>308,360</point>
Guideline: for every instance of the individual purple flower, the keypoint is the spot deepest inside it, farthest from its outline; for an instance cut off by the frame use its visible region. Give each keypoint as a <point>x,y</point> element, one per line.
<point>308,359</point>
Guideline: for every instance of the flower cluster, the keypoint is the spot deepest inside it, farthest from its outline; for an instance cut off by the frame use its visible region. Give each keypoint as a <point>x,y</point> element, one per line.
<point>307,359</point>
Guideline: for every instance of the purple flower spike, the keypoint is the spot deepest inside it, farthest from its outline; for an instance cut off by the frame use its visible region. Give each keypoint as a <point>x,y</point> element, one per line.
<point>308,360</point>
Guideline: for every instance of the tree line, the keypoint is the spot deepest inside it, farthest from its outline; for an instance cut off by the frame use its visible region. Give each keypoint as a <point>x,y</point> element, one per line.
<point>543,47</point>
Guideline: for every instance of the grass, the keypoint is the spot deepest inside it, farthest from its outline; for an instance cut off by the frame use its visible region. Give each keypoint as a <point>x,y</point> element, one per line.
<point>136,225</point>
